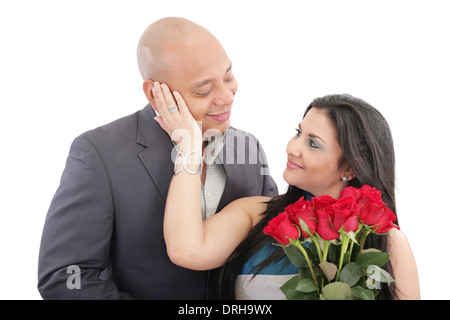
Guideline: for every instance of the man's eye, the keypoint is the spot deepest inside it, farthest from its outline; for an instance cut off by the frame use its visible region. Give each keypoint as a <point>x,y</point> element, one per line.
<point>228,80</point>
<point>202,94</point>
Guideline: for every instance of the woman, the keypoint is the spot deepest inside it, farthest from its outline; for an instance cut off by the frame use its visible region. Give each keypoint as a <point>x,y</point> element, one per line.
<point>341,141</point>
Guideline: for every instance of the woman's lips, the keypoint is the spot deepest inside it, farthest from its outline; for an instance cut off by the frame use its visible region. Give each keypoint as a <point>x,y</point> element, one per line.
<point>221,117</point>
<point>293,165</point>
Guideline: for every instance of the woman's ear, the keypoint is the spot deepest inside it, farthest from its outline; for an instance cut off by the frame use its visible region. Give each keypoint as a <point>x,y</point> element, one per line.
<point>147,87</point>
<point>348,175</point>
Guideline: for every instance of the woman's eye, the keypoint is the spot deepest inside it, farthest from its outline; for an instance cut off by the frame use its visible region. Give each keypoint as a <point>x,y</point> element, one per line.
<point>313,144</point>
<point>299,132</point>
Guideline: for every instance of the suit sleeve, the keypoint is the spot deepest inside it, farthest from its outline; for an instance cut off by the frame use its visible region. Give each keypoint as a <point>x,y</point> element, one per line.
<point>77,231</point>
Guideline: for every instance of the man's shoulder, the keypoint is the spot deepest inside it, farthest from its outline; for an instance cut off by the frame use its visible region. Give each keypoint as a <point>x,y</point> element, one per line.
<point>115,125</point>
<point>234,132</point>
<point>123,127</point>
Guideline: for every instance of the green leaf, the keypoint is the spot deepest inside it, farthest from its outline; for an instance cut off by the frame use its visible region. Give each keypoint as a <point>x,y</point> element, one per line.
<point>295,256</point>
<point>305,273</point>
<point>329,270</point>
<point>378,274</point>
<point>334,253</point>
<point>368,258</point>
<point>306,285</point>
<point>304,226</point>
<point>297,295</point>
<point>351,273</point>
<point>351,235</point>
<point>370,250</point>
<point>312,253</point>
<point>362,294</point>
<point>337,291</point>
<point>291,284</point>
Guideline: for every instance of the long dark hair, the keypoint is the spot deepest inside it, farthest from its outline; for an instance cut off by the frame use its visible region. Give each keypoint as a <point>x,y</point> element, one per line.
<point>367,146</point>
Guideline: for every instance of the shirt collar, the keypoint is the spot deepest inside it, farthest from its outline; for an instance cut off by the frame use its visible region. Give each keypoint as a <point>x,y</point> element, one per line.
<point>213,148</point>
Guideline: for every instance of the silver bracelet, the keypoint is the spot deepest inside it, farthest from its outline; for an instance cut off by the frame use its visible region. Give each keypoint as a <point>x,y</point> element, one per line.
<point>185,157</point>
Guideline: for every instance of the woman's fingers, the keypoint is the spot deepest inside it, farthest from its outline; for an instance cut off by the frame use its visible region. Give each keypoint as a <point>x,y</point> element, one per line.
<point>180,102</point>
<point>161,123</point>
<point>162,99</point>
<point>170,101</point>
<point>175,117</point>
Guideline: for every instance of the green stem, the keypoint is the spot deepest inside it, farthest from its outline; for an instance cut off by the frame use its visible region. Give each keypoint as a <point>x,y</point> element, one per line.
<point>298,245</point>
<point>363,240</point>
<point>344,247</point>
<point>326,245</point>
<point>350,251</point>
<point>319,249</point>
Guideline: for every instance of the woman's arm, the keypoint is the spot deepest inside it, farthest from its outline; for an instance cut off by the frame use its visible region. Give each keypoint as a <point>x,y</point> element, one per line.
<point>192,243</point>
<point>198,245</point>
<point>404,266</point>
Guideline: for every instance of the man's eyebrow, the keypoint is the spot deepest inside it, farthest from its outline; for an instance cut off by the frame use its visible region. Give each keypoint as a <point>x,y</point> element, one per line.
<point>201,83</point>
<point>207,81</point>
<point>229,68</point>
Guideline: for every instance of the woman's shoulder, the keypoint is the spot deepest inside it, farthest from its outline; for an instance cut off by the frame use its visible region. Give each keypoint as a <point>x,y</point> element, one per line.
<point>256,204</point>
<point>397,237</point>
<point>404,265</point>
<point>253,206</point>
<point>252,203</point>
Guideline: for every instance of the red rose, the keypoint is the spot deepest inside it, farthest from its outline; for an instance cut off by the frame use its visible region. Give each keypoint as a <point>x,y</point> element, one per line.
<point>374,212</point>
<point>349,191</point>
<point>346,214</point>
<point>302,209</point>
<point>378,216</point>
<point>322,201</point>
<point>386,222</point>
<point>281,228</point>
<point>371,210</point>
<point>366,189</point>
<point>325,214</point>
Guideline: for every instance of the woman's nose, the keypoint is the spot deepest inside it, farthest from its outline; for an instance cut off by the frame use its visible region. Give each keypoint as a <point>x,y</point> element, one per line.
<point>294,147</point>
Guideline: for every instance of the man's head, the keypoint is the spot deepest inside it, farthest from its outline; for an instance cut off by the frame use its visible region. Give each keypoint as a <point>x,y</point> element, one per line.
<point>190,60</point>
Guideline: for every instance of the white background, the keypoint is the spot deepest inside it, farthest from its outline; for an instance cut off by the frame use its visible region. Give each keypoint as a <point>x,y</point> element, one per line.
<point>70,66</point>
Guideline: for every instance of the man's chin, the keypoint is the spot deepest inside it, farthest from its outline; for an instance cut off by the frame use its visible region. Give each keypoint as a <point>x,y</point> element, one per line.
<point>216,129</point>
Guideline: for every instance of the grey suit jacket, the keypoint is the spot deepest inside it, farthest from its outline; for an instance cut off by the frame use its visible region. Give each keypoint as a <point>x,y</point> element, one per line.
<point>106,218</point>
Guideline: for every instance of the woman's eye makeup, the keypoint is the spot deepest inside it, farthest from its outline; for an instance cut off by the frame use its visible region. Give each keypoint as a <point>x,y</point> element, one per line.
<point>311,142</point>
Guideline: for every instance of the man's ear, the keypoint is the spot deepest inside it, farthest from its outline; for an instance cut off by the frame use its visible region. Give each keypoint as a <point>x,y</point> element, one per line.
<point>147,87</point>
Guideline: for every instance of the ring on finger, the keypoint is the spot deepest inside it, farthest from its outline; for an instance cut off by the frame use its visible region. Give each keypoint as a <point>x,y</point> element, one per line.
<point>173,108</point>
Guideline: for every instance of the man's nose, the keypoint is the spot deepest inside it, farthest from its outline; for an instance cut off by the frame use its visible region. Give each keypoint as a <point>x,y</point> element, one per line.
<point>225,96</point>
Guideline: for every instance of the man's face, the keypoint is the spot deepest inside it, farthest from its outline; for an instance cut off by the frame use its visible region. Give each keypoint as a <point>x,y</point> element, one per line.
<point>204,78</point>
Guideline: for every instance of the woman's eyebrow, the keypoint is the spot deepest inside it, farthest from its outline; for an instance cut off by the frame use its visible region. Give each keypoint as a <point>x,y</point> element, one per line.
<point>312,135</point>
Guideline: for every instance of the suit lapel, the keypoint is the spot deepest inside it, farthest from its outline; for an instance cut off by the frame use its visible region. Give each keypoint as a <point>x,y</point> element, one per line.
<point>235,169</point>
<point>156,158</point>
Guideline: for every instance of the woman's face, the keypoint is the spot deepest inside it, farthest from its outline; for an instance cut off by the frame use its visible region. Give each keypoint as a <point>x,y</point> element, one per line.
<point>314,155</point>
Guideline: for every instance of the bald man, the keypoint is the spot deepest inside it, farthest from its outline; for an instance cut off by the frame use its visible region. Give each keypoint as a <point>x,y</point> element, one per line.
<point>103,235</point>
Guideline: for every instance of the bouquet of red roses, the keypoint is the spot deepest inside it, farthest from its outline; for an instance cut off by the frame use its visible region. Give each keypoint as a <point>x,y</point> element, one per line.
<point>325,238</point>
